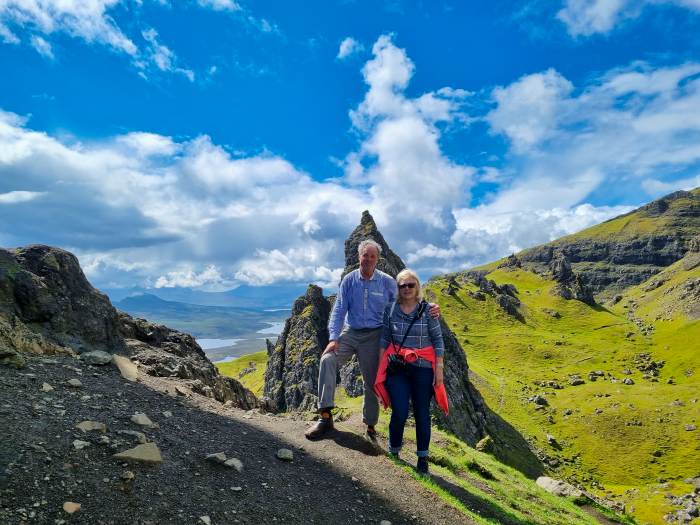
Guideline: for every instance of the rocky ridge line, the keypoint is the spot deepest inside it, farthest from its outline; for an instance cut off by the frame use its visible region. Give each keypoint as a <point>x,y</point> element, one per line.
<point>47,306</point>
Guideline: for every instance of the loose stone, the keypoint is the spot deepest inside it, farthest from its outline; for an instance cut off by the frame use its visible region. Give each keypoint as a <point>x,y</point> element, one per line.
<point>147,453</point>
<point>88,426</point>
<point>142,419</point>
<point>79,445</point>
<point>217,457</point>
<point>70,507</point>
<point>285,454</point>
<point>234,463</point>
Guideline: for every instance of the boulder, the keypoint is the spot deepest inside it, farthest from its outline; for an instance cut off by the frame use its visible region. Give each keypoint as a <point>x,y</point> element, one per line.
<point>558,487</point>
<point>44,288</point>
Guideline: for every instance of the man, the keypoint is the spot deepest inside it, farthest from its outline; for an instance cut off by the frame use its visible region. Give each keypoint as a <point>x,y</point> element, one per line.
<point>362,297</point>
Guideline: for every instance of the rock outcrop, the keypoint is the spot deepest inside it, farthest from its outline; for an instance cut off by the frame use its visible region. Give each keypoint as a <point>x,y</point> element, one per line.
<point>291,376</point>
<point>640,244</point>
<point>50,306</point>
<point>367,229</point>
<point>569,284</point>
<point>164,352</point>
<point>506,296</point>
<point>47,306</point>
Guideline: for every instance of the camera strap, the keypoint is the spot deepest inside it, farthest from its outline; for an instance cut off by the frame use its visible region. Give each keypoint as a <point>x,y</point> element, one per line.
<point>421,309</point>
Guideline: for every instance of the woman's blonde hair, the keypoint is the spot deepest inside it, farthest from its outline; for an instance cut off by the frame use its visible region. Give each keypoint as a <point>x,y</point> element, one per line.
<point>410,274</point>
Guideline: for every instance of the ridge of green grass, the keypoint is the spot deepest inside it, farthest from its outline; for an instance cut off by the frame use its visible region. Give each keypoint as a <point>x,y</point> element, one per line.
<point>253,381</point>
<point>475,483</point>
<point>608,434</point>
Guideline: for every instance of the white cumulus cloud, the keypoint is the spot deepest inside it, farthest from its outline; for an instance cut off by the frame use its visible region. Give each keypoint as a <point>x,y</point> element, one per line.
<point>88,21</point>
<point>589,17</point>
<point>349,46</point>
<point>13,197</point>
<point>220,5</point>
<point>42,47</point>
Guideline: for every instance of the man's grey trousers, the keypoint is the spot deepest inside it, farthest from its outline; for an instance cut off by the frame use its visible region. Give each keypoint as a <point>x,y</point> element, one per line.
<point>365,344</point>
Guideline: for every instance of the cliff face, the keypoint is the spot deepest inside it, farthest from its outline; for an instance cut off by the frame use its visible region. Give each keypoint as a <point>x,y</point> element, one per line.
<point>291,376</point>
<point>292,372</point>
<point>629,249</point>
<point>44,292</point>
<point>47,306</point>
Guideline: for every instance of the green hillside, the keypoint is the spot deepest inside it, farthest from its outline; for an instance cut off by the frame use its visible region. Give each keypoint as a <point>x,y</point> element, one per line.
<point>627,250</point>
<point>249,369</point>
<point>654,218</point>
<point>605,389</point>
<point>483,489</point>
<point>626,442</point>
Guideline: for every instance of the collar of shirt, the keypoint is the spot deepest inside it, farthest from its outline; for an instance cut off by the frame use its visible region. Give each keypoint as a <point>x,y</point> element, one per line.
<point>372,278</point>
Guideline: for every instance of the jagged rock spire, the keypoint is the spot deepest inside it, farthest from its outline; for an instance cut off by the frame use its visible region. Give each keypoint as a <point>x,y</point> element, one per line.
<point>293,363</point>
<point>389,262</point>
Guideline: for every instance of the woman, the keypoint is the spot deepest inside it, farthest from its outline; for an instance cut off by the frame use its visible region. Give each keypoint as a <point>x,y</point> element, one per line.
<point>410,366</point>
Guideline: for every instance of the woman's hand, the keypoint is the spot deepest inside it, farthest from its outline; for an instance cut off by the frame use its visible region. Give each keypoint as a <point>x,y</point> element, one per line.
<point>439,373</point>
<point>434,310</point>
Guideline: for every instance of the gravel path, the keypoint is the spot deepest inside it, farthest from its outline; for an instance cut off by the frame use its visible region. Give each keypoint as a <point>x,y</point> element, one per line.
<point>338,480</point>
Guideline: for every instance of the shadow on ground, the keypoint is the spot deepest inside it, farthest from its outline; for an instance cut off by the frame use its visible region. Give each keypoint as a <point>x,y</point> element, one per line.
<point>42,468</point>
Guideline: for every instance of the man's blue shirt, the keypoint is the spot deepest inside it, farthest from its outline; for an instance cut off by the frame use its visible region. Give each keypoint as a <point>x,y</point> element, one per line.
<point>362,301</point>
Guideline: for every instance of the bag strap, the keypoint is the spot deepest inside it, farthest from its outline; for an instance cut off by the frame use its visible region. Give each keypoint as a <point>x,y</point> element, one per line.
<point>421,310</point>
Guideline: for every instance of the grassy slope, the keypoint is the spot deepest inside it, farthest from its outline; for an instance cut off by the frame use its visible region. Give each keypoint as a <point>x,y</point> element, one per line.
<point>638,223</point>
<point>255,380</point>
<point>595,446</point>
<point>507,498</point>
<point>601,440</point>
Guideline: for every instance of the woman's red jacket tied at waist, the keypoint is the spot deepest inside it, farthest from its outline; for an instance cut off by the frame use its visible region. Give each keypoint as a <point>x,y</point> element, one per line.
<point>410,355</point>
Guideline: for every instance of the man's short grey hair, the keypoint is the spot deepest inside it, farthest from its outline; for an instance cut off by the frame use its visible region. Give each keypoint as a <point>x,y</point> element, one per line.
<point>366,244</point>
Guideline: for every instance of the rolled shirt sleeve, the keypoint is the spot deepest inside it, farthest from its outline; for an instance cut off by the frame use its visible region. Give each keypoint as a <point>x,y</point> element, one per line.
<point>340,309</point>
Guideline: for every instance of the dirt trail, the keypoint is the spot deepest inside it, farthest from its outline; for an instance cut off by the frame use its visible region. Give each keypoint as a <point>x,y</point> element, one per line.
<point>338,480</point>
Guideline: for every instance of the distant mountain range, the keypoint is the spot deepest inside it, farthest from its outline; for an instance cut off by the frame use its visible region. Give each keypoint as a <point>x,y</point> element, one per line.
<point>210,322</point>
<point>265,297</point>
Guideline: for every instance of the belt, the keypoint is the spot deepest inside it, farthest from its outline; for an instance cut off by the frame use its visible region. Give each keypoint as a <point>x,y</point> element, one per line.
<point>364,330</point>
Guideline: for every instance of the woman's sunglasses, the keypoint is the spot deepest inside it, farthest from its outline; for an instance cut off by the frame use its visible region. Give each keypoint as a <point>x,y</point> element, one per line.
<point>407,285</point>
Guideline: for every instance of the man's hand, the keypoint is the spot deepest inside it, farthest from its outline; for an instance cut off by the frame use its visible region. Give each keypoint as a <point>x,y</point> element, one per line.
<point>434,310</point>
<point>330,347</point>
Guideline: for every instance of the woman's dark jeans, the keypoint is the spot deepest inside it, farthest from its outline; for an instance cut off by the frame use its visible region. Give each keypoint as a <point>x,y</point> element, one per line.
<point>416,384</point>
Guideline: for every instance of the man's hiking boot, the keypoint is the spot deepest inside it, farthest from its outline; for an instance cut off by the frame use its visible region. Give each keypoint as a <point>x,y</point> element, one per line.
<point>422,467</point>
<point>371,434</point>
<point>322,427</point>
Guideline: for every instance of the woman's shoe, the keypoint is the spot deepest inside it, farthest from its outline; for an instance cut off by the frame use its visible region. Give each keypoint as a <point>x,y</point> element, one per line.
<point>422,467</point>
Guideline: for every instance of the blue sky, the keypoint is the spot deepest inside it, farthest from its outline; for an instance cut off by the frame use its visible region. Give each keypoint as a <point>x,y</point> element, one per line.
<point>212,143</point>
